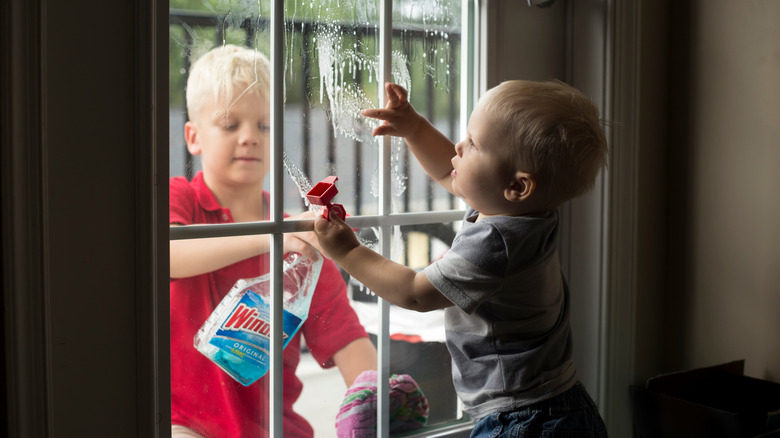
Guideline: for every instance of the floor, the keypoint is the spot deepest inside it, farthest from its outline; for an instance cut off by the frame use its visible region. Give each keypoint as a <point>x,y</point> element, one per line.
<point>323,391</point>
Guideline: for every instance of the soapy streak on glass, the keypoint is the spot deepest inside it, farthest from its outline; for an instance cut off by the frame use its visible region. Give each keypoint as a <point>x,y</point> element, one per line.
<point>342,59</point>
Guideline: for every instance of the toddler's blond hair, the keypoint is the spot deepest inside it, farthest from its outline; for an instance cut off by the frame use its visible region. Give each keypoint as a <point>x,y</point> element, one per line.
<point>551,131</point>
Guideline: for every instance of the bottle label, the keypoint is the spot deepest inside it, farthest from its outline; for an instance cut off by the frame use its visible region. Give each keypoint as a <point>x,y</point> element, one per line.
<point>246,331</point>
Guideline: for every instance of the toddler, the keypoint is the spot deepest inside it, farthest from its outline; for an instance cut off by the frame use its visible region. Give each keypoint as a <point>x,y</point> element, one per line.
<point>530,147</point>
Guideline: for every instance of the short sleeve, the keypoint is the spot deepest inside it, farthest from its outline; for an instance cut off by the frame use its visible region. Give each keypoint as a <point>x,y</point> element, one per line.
<point>473,269</point>
<point>182,202</point>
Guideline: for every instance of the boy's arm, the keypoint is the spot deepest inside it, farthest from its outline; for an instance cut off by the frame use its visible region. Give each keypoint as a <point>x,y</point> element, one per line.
<point>190,257</point>
<point>356,357</point>
<point>396,283</point>
<point>432,149</point>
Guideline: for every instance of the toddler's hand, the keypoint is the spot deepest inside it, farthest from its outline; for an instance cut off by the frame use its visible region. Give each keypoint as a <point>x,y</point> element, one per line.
<point>335,237</point>
<point>399,117</point>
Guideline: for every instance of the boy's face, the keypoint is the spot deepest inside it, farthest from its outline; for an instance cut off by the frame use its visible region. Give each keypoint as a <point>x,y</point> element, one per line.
<point>232,140</point>
<point>478,176</point>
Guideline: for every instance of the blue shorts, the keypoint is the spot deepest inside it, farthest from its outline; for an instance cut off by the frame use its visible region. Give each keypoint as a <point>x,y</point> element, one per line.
<point>572,414</point>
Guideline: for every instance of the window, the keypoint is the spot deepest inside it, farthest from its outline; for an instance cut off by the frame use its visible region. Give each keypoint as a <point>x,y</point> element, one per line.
<point>68,96</point>
<point>332,61</point>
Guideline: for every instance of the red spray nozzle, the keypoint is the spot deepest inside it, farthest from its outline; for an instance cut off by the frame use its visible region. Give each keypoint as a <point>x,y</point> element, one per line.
<point>322,193</point>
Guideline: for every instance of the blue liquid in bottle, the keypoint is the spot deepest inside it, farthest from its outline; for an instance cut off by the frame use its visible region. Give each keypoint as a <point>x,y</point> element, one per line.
<point>236,336</point>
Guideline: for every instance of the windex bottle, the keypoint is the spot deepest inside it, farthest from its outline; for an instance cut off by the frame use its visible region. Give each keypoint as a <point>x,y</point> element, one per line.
<point>237,334</point>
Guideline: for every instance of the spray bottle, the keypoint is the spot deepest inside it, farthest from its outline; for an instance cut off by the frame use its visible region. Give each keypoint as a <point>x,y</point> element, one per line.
<point>237,334</point>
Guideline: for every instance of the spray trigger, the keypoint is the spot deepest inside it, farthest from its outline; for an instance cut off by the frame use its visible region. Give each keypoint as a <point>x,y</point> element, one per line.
<point>322,193</point>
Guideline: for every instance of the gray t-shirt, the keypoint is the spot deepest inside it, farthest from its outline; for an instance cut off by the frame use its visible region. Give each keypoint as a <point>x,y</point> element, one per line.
<point>508,333</point>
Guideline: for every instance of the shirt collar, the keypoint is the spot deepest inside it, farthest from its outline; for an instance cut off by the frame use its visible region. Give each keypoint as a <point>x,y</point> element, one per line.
<point>206,198</point>
<point>209,202</point>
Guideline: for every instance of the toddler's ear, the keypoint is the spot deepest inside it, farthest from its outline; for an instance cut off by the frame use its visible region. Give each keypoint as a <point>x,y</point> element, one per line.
<point>521,188</point>
<point>191,137</point>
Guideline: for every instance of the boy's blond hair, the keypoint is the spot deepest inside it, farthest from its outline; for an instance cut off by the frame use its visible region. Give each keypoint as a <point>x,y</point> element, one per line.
<point>225,73</point>
<point>552,132</point>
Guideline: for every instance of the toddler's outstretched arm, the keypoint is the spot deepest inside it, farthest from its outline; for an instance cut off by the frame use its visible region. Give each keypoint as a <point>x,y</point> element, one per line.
<point>433,149</point>
<point>392,281</point>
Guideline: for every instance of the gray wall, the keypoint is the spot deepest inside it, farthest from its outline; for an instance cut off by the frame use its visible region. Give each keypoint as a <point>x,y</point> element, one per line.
<point>707,113</point>
<point>723,217</point>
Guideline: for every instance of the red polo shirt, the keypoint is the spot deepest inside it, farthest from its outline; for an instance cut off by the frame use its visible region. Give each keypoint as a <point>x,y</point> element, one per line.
<point>203,397</point>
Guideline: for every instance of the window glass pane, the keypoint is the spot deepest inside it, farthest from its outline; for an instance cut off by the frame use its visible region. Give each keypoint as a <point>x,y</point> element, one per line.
<point>331,61</point>
<point>338,55</point>
<point>344,80</point>
<point>220,118</point>
<point>417,346</point>
<point>331,74</point>
<point>426,48</point>
<point>331,58</point>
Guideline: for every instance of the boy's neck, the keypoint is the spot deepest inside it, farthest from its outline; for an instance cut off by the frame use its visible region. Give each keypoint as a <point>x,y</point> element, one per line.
<point>529,208</point>
<point>246,204</point>
<point>536,213</point>
<point>245,213</point>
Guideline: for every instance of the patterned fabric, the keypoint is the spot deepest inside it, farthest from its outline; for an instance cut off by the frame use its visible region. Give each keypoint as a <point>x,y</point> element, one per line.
<point>357,415</point>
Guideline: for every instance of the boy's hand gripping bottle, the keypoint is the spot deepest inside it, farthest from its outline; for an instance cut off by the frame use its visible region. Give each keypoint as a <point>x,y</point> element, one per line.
<point>237,334</point>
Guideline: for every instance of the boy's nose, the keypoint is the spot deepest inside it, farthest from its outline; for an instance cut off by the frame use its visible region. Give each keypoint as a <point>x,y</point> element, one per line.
<point>249,136</point>
<point>459,148</point>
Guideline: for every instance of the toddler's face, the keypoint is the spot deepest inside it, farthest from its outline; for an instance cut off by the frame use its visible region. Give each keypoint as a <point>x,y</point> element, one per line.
<point>477,174</point>
<point>233,140</point>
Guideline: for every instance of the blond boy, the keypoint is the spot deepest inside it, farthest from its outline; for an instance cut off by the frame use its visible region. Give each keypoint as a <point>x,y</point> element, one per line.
<point>227,96</point>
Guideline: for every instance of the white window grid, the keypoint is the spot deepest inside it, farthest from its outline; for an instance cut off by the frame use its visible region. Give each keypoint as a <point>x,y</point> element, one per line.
<point>385,220</point>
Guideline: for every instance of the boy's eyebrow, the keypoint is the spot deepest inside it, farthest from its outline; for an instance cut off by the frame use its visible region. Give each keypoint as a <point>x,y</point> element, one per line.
<point>219,113</point>
<point>221,117</point>
<point>223,112</point>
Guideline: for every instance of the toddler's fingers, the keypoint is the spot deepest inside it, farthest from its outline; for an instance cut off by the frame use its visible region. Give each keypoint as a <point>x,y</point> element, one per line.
<point>392,96</point>
<point>335,219</point>
<point>373,113</point>
<point>396,93</point>
<point>320,225</point>
<point>383,130</point>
